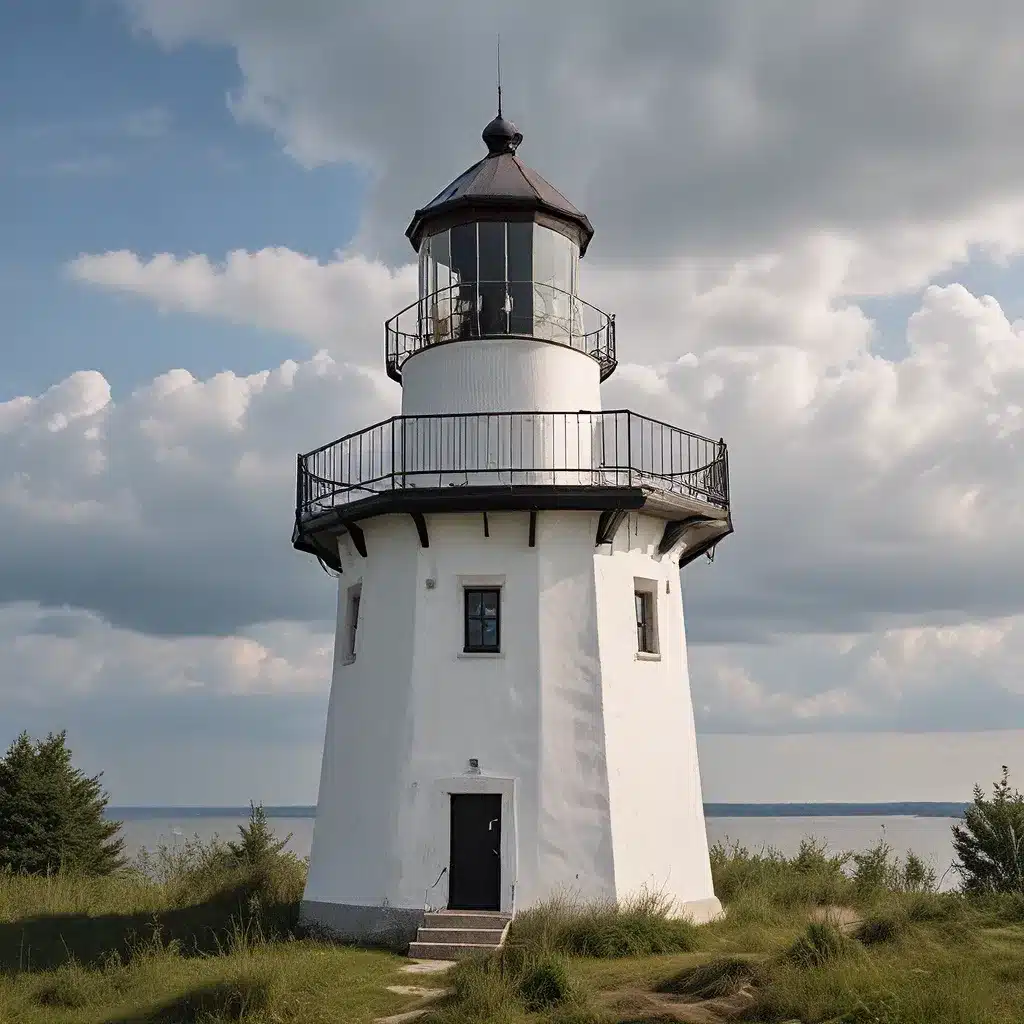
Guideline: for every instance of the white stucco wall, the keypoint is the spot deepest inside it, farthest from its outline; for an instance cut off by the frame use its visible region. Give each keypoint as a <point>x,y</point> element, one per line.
<point>499,375</point>
<point>492,376</point>
<point>592,751</point>
<point>657,812</point>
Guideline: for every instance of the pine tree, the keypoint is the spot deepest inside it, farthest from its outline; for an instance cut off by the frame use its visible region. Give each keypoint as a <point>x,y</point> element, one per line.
<point>990,842</point>
<point>258,840</point>
<point>51,814</point>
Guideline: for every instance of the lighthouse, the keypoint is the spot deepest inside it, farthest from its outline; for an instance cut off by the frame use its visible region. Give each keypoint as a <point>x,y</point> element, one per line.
<point>510,716</point>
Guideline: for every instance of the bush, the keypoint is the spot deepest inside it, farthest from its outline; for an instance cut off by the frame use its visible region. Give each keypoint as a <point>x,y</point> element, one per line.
<point>51,815</point>
<point>877,870</point>
<point>990,843</point>
<point>814,877</point>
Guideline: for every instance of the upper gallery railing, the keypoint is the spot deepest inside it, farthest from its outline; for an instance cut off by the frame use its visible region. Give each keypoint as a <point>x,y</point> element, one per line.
<point>509,449</point>
<point>494,309</point>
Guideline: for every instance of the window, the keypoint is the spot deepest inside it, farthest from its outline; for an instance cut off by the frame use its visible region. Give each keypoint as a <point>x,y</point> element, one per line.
<point>352,621</point>
<point>645,636</point>
<point>483,620</point>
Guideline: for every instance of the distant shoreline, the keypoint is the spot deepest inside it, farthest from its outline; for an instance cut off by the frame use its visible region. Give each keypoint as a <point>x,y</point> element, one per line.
<point>916,809</point>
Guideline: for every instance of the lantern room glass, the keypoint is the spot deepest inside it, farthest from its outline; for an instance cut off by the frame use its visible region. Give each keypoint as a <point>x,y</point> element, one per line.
<point>493,278</point>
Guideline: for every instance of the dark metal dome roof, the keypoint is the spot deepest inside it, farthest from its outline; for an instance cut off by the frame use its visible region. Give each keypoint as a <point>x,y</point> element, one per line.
<point>500,184</point>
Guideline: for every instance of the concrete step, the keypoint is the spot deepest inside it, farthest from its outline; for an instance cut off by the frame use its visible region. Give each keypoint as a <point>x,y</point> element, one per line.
<point>465,919</point>
<point>473,936</point>
<point>445,950</point>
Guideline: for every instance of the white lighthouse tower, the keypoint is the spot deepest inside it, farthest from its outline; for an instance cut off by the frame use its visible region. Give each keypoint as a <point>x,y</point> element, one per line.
<point>510,714</point>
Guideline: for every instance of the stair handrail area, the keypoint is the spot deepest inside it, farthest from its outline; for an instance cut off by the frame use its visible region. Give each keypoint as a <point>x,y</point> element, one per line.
<point>617,448</point>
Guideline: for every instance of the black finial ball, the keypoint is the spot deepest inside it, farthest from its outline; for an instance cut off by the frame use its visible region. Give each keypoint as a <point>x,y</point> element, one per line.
<point>501,136</point>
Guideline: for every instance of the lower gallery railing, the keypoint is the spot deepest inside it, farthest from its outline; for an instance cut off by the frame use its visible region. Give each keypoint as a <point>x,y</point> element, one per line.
<point>509,449</point>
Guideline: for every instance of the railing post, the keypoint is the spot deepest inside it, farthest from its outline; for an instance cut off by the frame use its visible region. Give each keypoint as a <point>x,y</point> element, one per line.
<point>392,453</point>
<point>298,489</point>
<point>629,448</point>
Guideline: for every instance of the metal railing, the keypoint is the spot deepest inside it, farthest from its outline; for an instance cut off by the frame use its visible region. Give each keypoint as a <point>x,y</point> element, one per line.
<point>500,309</point>
<point>510,449</point>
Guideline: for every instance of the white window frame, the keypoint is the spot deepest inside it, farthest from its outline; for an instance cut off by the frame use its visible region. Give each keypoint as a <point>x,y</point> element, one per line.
<point>353,605</point>
<point>650,589</point>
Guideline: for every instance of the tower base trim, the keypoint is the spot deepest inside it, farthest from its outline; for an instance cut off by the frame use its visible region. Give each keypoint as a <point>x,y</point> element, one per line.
<point>701,911</point>
<point>388,926</point>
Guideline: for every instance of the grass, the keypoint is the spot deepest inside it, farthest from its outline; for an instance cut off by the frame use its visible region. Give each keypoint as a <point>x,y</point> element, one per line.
<point>183,935</point>
<point>817,937</point>
<point>195,935</point>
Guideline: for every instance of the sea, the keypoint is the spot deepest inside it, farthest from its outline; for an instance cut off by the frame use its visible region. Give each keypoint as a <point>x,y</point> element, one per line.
<point>925,828</point>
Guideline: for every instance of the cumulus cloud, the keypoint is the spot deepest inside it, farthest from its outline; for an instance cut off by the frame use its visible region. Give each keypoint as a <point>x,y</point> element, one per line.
<point>737,127</point>
<point>756,172</point>
<point>171,511</point>
<point>338,306</point>
<point>869,493</point>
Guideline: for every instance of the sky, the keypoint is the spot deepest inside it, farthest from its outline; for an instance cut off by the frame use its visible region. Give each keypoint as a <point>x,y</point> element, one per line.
<point>809,224</point>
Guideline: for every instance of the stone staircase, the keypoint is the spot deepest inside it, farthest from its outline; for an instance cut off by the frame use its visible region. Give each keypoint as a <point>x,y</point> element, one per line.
<point>449,934</point>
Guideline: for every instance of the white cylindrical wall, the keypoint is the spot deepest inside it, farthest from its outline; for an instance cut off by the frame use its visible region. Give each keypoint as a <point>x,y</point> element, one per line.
<point>488,375</point>
<point>508,413</point>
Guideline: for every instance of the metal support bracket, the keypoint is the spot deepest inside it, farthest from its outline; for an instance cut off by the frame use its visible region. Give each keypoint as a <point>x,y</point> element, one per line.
<point>421,528</point>
<point>357,535</point>
<point>608,525</point>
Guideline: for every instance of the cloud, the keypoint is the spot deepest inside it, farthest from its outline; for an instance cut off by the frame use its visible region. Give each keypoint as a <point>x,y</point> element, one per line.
<point>340,306</point>
<point>757,172</point>
<point>737,127</point>
<point>869,493</point>
<point>171,512</point>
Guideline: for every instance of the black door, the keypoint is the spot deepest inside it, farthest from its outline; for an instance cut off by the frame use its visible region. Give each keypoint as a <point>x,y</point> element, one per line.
<point>474,871</point>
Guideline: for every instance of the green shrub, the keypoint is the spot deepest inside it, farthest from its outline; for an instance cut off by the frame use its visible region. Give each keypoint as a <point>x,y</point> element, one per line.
<point>51,814</point>
<point>813,877</point>
<point>990,843</point>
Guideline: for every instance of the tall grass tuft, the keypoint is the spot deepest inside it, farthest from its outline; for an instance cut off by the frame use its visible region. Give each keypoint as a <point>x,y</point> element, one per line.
<point>821,944</point>
<point>813,877</point>
<point>501,987</point>
<point>637,927</point>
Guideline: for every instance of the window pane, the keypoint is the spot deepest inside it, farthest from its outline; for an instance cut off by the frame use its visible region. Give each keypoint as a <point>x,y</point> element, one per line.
<point>466,317</point>
<point>463,241</point>
<point>552,258</point>
<point>490,633</point>
<point>520,251</point>
<point>473,599</point>
<point>492,250</point>
<point>474,633</point>
<point>490,602</point>
<point>520,274</point>
<point>440,261</point>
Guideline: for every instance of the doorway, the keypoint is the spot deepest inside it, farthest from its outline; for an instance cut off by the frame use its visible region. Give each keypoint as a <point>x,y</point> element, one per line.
<point>474,868</point>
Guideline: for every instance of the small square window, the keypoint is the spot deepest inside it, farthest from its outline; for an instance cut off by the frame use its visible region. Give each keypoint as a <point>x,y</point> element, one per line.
<point>352,621</point>
<point>645,638</point>
<point>483,619</point>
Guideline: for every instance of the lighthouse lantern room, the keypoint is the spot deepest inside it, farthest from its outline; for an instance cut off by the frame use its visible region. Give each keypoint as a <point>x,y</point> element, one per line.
<point>510,715</point>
